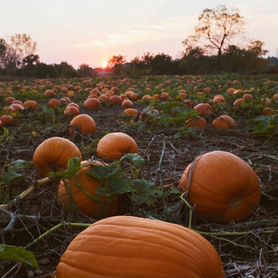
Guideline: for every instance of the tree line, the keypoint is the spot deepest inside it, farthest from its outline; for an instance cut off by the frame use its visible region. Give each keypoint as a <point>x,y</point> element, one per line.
<point>211,48</point>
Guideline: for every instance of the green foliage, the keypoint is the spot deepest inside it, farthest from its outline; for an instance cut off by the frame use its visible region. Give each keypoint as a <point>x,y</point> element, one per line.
<point>145,192</point>
<point>12,171</point>
<point>18,254</point>
<point>116,181</point>
<point>72,170</point>
<point>265,125</point>
<point>6,136</point>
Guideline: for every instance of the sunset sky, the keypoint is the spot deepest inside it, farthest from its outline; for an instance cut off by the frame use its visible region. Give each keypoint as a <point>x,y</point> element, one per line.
<point>91,31</point>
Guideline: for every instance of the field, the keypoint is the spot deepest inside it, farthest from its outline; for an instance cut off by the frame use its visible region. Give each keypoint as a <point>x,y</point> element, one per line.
<point>167,142</point>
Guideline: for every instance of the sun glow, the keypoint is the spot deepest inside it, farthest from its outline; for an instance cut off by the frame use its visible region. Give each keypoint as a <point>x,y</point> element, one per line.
<point>104,64</point>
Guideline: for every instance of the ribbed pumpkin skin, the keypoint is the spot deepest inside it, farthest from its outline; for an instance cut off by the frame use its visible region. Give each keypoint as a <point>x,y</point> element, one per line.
<point>88,206</point>
<point>84,123</point>
<point>127,246</point>
<point>116,144</point>
<point>224,187</point>
<point>53,154</point>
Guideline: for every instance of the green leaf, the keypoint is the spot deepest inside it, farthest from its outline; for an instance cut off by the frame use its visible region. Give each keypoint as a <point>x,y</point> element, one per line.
<point>73,166</point>
<point>115,185</point>
<point>18,254</point>
<point>10,175</point>
<point>146,192</point>
<point>103,172</point>
<point>21,164</point>
<point>136,159</point>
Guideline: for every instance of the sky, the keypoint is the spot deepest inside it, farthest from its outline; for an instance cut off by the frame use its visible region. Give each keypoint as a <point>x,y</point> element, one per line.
<point>91,31</point>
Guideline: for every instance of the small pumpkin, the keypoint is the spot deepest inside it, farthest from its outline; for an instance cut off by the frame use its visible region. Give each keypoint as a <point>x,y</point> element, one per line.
<point>54,103</point>
<point>92,104</point>
<point>128,246</point>
<point>196,123</point>
<point>31,105</point>
<point>131,112</point>
<point>82,192</point>
<point>115,100</point>
<point>53,154</point>
<point>84,123</point>
<point>6,120</point>
<point>221,186</point>
<point>224,122</point>
<point>268,111</point>
<point>116,144</point>
<point>127,104</point>
<point>203,109</point>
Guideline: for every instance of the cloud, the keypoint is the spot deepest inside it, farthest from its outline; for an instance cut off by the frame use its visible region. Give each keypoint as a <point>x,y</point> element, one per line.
<point>170,28</point>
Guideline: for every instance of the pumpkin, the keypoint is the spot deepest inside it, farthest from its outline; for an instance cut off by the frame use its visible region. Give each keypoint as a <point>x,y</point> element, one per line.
<point>224,122</point>
<point>6,120</point>
<point>31,105</point>
<point>49,93</point>
<point>116,144</point>
<point>1,124</point>
<point>146,98</point>
<point>115,100</point>
<point>203,109</point>
<point>82,192</point>
<point>268,111</point>
<point>221,186</point>
<point>9,100</point>
<point>128,246</point>
<point>53,155</point>
<point>71,110</point>
<point>248,97</point>
<point>196,123</point>
<point>54,103</point>
<point>17,107</point>
<point>84,123</point>
<point>238,102</point>
<point>92,104</point>
<point>127,104</point>
<point>218,99</point>
<point>131,112</point>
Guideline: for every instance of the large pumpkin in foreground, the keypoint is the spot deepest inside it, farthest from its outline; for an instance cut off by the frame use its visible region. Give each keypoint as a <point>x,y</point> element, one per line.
<point>53,155</point>
<point>127,246</point>
<point>116,144</point>
<point>222,187</point>
<point>81,191</point>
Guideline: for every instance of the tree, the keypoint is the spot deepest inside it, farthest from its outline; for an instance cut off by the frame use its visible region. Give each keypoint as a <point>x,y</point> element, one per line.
<point>116,60</point>
<point>18,47</point>
<point>85,70</point>
<point>216,28</point>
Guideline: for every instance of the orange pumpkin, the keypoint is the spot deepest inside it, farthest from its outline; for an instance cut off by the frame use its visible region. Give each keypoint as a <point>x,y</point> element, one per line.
<point>131,112</point>
<point>6,120</point>
<point>196,123</point>
<point>224,122</point>
<point>84,123</point>
<point>49,93</point>
<point>31,105</point>
<point>218,99</point>
<point>114,145</point>
<point>92,104</point>
<point>128,246</point>
<point>268,111</point>
<point>238,102</point>
<point>115,100</point>
<point>82,192</point>
<point>9,99</point>
<point>203,109</point>
<point>17,107</point>
<point>71,110</point>
<point>222,187</point>
<point>53,154</point>
<point>127,104</point>
<point>54,103</point>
